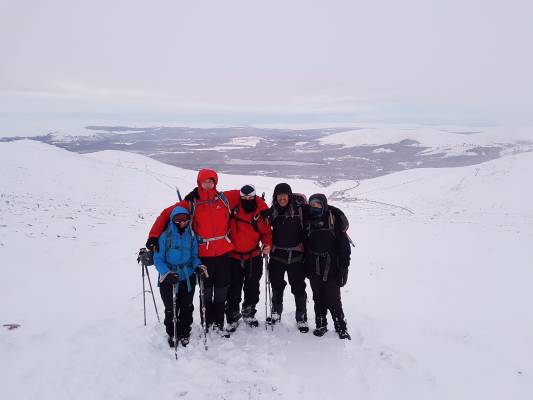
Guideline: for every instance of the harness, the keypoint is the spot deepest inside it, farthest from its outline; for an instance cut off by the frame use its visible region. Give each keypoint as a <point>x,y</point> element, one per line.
<point>210,202</point>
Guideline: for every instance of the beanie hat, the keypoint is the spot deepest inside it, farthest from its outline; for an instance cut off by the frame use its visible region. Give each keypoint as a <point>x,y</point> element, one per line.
<point>247,190</point>
<point>282,188</point>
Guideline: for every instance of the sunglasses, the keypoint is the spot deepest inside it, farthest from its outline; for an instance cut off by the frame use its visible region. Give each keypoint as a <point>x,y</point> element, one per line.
<point>181,218</point>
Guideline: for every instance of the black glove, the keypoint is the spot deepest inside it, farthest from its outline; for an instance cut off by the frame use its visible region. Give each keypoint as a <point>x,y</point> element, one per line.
<point>172,279</point>
<point>192,195</point>
<point>342,277</point>
<point>152,244</point>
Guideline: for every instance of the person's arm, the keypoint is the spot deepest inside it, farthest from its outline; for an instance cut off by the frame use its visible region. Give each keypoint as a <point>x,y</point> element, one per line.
<point>233,197</point>
<point>161,222</point>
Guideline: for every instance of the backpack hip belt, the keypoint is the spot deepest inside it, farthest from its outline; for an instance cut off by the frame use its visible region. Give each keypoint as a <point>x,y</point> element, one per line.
<point>206,241</point>
<point>318,256</point>
<point>253,253</point>
<point>299,248</point>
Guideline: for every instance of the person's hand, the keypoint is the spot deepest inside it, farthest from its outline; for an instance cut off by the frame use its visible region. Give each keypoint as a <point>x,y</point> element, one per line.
<point>201,270</point>
<point>342,277</point>
<point>266,250</point>
<point>152,244</point>
<point>172,278</point>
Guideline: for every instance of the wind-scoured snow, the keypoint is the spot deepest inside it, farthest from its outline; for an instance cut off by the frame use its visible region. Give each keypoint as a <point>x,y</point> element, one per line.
<point>438,300</point>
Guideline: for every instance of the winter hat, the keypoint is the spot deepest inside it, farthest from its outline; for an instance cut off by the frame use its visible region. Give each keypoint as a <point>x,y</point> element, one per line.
<point>320,199</point>
<point>247,190</point>
<point>282,188</point>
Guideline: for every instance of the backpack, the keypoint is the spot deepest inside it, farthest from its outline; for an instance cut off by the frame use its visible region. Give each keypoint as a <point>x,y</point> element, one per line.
<point>220,195</point>
<point>298,200</point>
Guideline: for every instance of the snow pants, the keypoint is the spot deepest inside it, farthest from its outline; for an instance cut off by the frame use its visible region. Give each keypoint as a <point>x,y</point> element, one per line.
<point>326,296</point>
<point>246,275</point>
<point>296,275</point>
<point>184,307</point>
<point>216,288</point>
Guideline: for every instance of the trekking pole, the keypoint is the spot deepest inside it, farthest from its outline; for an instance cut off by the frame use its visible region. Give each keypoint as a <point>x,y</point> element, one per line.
<point>174,320</point>
<point>145,258</point>
<point>268,296</point>
<point>151,291</point>
<point>202,309</point>
<point>144,296</point>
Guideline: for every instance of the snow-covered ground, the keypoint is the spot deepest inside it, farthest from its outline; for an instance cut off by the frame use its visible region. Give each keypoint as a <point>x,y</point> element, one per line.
<point>438,302</point>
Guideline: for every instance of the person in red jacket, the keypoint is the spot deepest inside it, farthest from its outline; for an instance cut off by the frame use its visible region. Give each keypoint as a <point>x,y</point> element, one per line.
<point>210,211</point>
<point>247,231</point>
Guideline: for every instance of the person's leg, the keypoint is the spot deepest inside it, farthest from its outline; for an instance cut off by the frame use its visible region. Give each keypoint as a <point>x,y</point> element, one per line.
<point>221,282</point>
<point>296,274</point>
<point>166,295</point>
<point>234,296</point>
<point>276,273</point>
<point>186,307</point>
<point>318,288</point>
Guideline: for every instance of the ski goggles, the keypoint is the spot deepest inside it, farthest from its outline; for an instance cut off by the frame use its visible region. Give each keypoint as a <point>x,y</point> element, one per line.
<point>180,218</point>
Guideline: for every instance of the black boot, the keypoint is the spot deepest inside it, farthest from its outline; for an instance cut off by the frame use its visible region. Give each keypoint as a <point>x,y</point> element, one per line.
<point>340,328</point>
<point>321,324</point>
<point>184,341</point>
<point>248,316</point>
<point>301,314</point>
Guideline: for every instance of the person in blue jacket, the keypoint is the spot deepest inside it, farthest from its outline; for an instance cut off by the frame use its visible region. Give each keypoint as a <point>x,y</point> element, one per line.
<point>177,261</point>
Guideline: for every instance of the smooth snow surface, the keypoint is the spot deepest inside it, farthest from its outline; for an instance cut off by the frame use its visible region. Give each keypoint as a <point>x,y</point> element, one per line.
<point>438,301</point>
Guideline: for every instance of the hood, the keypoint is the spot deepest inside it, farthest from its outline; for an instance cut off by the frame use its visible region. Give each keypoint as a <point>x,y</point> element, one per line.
<point>321,198</point>
<point>178,210</point>
<point>204,174</point>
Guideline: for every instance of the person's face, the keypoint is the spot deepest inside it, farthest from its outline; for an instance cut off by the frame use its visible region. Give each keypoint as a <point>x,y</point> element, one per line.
<point>282,199</point>
<point>208,184</point>
<point>247,197</point>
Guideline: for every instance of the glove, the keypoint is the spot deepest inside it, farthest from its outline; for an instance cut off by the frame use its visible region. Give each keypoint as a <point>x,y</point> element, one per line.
<point>342,277</point>
<point>171,278</point>
<point>192,195</point>
<point>201,271</point>
<point>152,244</point>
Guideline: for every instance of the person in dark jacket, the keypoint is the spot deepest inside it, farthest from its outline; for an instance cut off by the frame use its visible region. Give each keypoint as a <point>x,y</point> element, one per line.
<point>287,221</point>
<point>327,258</point>
<point>177,260</point>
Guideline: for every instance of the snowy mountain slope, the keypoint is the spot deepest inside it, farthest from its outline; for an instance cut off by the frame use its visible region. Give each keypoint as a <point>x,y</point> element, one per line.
<point>437,303</point>
<point>451,141</point>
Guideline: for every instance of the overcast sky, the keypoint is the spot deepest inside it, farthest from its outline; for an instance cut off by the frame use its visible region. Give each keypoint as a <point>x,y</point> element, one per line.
<point>383,60</point>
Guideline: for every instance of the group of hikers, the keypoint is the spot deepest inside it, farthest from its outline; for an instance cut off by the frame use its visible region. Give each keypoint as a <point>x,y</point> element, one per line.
<point>222,238</point>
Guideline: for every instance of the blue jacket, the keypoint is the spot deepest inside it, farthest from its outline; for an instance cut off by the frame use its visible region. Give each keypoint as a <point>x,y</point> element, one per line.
<point>178,252</point>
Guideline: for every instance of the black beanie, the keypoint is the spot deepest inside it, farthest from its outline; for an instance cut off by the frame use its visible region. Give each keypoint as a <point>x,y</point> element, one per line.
<point>282,188</point>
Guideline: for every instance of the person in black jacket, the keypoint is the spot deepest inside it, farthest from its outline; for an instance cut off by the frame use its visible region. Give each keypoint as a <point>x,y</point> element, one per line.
<point>288,234</point>
<point>327,258</point>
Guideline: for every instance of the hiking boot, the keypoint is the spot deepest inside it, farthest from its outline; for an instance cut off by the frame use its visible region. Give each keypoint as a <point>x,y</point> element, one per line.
<point>340,328</point>
<point>321,326</point>
<point>170,340</point>
<point>251,322</point>
<point>220,331</point>
<point>232,327</point>
<point>273,319</point>
<point>184,341</point>
<point>303,326</point>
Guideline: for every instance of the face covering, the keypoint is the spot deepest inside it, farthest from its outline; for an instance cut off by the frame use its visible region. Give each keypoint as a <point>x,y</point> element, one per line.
<point>248,205</point>
<point>316,212</point>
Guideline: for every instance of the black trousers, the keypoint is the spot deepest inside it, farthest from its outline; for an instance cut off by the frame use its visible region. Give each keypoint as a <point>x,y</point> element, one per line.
<point>326,295</point>
<point>184,307</point>
<point>296,275</point>
<point>246,275</point>
<point>216,288</point>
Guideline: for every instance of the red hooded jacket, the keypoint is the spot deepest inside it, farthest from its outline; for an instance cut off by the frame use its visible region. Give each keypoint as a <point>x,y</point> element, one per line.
<point>211,217</point>
<point>244,236</point>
